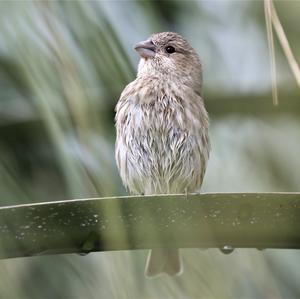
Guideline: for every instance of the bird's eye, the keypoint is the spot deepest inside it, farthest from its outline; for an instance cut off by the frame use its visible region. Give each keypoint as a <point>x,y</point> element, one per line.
<point>170,49</point>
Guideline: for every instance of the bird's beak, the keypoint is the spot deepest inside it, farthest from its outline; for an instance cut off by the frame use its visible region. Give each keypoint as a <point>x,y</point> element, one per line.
<point>145,49</point>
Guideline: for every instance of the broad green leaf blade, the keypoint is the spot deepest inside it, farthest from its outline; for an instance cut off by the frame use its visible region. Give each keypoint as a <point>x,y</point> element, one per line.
<point>238,220</point>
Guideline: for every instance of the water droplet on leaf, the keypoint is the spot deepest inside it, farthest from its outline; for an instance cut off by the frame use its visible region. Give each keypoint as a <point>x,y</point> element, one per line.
<point>227,249</point>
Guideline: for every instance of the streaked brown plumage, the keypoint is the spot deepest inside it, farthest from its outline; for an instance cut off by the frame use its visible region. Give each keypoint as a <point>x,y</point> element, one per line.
<point>162,141</point>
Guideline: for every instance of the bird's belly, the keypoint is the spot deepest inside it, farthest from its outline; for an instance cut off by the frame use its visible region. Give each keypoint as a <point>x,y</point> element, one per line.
<point>162,155</point>
<point>165,163</point>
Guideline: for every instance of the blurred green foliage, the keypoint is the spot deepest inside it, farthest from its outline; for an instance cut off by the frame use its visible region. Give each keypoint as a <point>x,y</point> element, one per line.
<point>63,65</point>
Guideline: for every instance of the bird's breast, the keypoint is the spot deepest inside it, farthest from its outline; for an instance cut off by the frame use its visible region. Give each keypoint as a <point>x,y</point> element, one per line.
<point>159,114</point>
<point>159,142</point>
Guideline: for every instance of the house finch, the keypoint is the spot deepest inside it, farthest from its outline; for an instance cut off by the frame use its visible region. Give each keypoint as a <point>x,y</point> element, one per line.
<point>162,143</point>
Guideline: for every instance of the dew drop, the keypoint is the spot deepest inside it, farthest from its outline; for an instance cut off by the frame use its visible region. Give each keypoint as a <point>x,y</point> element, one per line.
<point>227,249</point>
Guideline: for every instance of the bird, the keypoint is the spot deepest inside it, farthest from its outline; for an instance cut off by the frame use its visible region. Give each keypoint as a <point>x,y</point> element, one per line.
<point>162,142</point>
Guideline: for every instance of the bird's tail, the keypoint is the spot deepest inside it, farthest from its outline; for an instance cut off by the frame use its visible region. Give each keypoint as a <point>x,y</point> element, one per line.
<point>162,260</point>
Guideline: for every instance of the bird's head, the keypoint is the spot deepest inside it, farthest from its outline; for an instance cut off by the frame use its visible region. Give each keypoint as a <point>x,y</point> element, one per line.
<point>168,55</point>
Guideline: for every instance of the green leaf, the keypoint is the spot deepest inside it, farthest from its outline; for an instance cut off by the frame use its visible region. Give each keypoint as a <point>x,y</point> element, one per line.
<point>224,220</point>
